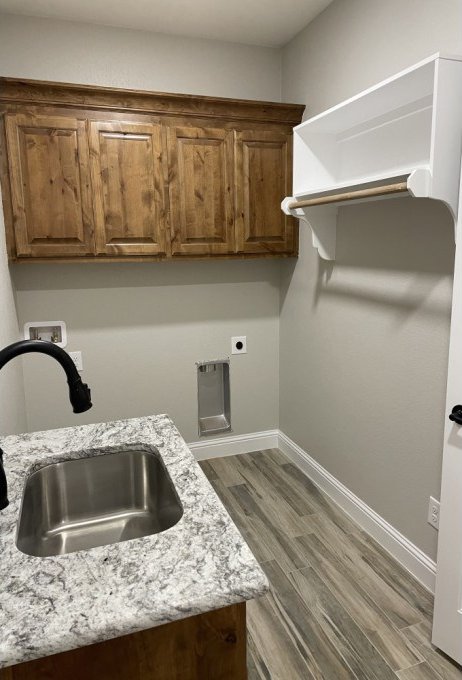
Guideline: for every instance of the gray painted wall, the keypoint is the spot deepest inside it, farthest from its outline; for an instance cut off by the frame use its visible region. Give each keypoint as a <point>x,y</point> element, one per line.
<point>364,341</point>
<point>141,327</point>
<point>101,55</point>
<point>12,404</point>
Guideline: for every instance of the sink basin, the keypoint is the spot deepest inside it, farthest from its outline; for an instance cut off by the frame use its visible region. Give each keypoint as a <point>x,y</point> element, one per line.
<point>107,498</point>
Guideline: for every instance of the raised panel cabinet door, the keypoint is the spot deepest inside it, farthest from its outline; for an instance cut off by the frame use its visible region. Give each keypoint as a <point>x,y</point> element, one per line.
<point>128,184</point>
<point>50,186</point>
<point>200,184</point>
<point>263,178</point>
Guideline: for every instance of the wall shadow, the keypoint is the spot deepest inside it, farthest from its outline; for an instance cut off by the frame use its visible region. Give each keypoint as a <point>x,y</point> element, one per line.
<point>387,239</point>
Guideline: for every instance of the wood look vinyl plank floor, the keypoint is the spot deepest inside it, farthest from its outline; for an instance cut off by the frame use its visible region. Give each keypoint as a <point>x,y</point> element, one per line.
<point>339,607</point>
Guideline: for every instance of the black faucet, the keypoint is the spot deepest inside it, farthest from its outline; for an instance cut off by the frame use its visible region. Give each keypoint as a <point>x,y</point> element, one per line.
<point>79,392</point>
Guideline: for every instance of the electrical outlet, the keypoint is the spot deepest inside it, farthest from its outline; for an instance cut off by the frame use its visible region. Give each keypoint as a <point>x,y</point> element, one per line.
<point>239,345</point>
<point>77,359</point>
<point>434,513</point>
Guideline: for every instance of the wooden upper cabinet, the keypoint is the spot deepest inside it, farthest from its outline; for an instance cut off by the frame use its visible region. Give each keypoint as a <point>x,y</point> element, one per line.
<point>106,174</point>
<point>49,182</point>
<point>128,188</point>
<point>263,179</point>
<point>200,164</point>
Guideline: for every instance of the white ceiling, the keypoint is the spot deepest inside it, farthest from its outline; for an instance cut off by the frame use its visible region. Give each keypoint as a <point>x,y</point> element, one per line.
<point>255,22</point>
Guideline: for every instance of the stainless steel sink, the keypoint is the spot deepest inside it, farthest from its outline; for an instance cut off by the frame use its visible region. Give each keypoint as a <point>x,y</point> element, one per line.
<point>106,498</point>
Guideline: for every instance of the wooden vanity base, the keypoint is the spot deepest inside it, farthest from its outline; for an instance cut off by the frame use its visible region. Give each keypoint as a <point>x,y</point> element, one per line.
<point>209,646</point>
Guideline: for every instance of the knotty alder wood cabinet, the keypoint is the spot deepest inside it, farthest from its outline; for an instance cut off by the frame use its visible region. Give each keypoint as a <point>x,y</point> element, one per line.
<point>101,174</point>
<point>127,182</point>
<point>264,173</point>
<point>50,186</point>
<point>201,190</point>
<point>209,646</point>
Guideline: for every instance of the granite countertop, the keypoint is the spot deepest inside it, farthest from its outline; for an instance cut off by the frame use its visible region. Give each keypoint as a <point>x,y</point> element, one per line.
<point>53,604</point>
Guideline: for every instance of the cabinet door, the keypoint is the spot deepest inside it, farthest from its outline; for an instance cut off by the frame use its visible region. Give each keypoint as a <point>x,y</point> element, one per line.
<point>49,179</point>
<point>200,184</point>
<point>263,178</point>
<point>128,184</point>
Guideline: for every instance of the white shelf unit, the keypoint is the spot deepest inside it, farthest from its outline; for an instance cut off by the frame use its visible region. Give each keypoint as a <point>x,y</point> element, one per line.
<point>400,137</point>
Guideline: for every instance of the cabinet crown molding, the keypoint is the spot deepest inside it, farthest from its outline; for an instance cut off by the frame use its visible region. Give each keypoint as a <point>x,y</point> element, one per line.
<point>19,90</point>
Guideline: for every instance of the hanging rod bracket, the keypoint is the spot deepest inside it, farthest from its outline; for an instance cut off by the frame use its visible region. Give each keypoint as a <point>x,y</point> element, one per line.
<point>323,224</point>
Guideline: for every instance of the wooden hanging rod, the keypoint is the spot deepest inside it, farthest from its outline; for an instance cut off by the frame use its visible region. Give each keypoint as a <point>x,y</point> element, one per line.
<point>383,190</point>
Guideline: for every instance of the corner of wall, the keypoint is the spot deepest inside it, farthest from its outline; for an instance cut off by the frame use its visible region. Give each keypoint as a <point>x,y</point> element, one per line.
<point>12,398</point>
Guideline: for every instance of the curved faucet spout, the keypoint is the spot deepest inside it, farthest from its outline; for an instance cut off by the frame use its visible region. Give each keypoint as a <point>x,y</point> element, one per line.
<point>79,392</point>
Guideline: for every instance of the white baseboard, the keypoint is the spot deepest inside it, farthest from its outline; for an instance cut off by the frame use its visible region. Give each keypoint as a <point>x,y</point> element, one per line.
<point>234,444</point>
<point>422,567</point>
<point>406,553</point>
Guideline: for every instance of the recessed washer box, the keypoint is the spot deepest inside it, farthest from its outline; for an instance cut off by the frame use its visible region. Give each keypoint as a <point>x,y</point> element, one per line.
<point>52,331</point>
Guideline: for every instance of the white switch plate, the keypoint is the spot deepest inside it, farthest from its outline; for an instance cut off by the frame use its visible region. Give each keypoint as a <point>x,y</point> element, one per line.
<point>434,513</point>
<point>239,345</point>
<point>77,359</point>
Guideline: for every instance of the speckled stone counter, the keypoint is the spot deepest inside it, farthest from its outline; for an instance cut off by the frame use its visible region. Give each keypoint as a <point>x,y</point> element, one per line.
<point>53,604</point>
